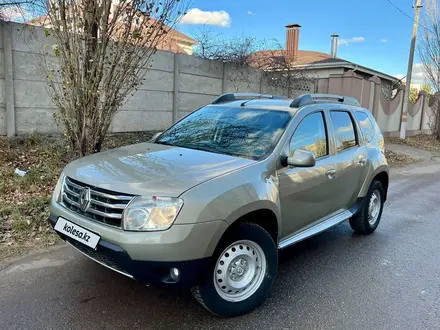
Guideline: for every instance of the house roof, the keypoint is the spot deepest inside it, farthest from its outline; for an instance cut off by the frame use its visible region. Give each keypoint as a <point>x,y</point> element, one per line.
<point>44,19</point>
<point>179,35</point>
<point>316,60</point>
<point>174,34</point>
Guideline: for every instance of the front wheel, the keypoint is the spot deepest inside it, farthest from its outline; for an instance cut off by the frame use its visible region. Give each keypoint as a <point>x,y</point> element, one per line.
<point>244,268</point>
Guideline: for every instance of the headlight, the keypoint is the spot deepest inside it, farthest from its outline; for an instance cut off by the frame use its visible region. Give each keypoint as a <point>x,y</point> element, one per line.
<point>58,191</point>
<point>151,213</point>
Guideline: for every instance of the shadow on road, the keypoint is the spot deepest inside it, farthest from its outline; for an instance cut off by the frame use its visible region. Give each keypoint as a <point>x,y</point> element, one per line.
<point>304,268</point>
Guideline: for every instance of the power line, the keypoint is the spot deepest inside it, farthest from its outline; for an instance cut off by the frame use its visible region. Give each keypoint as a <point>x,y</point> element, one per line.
<point>408,16</point>
<point>395,6</point>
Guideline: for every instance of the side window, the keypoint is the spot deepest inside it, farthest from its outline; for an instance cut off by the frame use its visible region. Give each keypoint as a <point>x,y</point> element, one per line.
<point>311,135</point>
<point>366,125</point>
<point>344,130</point>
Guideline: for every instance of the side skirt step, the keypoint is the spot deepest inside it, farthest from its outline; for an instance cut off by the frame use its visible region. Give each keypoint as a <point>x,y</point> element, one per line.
<point>316,229</point>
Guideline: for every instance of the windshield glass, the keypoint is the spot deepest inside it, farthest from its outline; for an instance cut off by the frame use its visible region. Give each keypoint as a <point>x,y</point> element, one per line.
<point>249,133</point>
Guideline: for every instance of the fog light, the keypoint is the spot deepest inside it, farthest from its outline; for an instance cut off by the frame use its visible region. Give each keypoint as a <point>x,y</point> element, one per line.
<point>175,273</point>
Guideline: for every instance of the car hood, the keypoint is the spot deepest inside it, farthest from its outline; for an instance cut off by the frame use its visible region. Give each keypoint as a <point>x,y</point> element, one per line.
<point>151,169</point>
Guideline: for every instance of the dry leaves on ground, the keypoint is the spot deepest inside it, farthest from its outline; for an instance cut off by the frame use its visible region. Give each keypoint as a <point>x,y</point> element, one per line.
<point>427,142</point>
<point>398,160</point>
<point>24,200</point>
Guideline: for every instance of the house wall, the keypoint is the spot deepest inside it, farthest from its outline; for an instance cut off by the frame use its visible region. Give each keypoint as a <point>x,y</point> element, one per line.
<point>176,85</point>
<point>323,73</point>
<point>187,47</point>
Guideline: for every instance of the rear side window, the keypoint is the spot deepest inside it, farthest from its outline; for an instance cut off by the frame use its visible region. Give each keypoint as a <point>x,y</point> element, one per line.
<point>344,130</point>
<point>366,125</point>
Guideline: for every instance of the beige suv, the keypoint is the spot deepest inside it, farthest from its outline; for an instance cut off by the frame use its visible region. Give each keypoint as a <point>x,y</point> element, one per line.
<point>207,203</point>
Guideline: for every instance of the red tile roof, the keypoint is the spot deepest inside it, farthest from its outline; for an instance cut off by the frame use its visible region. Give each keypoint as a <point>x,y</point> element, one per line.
<point>168,44</point>
<point>304,57</point>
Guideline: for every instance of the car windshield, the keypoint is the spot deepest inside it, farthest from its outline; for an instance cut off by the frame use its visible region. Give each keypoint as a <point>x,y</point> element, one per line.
<point>248,133</point>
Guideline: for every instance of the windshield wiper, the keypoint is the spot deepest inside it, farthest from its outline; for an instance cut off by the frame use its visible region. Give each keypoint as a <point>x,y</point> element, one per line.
<point>206,148</point>
<point>215,150</point>
<point>165,143</point>
<point>201,148</point>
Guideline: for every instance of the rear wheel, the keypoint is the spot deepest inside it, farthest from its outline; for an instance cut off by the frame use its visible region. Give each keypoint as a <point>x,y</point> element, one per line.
<point>368,217</point>
<point>243,271</point>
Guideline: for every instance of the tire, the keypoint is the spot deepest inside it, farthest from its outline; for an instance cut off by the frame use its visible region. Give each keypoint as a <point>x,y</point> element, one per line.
<point>362,222</point>
<point>244,248</point>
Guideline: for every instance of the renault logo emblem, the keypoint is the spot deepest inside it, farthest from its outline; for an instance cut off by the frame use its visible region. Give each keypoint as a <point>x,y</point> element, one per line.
<point>84,199</point>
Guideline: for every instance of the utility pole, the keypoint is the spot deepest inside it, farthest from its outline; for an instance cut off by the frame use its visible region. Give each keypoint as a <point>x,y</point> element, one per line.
<point>410,67</point>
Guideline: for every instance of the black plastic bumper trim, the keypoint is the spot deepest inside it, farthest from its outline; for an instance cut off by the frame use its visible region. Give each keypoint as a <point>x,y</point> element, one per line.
<point>149,272</point>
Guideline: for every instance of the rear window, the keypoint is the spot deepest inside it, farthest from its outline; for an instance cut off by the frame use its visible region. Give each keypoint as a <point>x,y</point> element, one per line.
<point>366,125</point>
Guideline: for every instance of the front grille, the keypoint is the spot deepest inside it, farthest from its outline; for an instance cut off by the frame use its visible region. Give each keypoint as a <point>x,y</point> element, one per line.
<point>98,256</point>
<point>105,206</point>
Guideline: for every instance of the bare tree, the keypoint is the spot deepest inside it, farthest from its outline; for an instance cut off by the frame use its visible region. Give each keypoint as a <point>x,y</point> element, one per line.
<point>20,10</point>
<point>280,70</point>
<point>103,50</point>
<point>429,51</point>
<point>218,48</point>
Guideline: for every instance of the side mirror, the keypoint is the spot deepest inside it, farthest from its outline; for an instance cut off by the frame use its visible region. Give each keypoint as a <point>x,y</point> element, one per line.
<point>155,136</point>
<point>301,158</point>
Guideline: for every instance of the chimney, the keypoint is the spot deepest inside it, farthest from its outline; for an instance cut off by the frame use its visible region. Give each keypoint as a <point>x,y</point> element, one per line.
<point>292,40</point>
<point>334,51</point>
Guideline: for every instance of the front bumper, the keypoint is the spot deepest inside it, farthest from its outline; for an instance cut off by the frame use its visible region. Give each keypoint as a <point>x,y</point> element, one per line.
<point>180,242</point>
<point>157,273</point>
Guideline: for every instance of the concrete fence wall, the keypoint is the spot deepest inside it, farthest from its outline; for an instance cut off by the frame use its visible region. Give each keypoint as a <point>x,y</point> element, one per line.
<point>176,85</point>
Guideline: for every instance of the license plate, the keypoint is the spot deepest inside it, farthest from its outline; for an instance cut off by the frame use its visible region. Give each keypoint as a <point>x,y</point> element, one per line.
<point>77,233</point>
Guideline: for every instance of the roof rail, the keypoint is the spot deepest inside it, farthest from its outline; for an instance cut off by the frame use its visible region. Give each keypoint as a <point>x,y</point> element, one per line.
<point>230,97</point>
<point>306,99</point>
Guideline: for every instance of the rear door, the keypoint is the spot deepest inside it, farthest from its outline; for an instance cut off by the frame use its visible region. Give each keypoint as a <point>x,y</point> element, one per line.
<point>307,194</point>
<point>350,158</point>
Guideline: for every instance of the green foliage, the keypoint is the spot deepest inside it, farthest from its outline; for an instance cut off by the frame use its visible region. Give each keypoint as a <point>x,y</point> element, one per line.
<point>20,225</point>
<point>427,88</point>
<point>413,95</point>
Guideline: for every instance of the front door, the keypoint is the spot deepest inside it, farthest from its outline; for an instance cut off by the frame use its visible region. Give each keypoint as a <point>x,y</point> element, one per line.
<point>307,194</point>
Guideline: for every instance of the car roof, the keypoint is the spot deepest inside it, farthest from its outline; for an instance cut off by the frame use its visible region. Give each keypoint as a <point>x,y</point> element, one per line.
<point>280,103</point>
<point>267,104</point>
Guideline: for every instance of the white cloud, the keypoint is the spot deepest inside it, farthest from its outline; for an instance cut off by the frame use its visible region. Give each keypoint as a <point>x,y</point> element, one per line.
<point>14,13</point>
<point>250,12</point>
<point>350,41</point>
<point>418,76</point>
<point>197,16</point>
<point>384,41</point>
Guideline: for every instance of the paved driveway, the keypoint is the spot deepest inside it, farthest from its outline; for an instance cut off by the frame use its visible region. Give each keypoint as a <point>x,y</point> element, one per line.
<point>337,280</point>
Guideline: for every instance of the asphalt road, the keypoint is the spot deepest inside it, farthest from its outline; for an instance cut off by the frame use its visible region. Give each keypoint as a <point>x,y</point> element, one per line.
<point>336,280</point>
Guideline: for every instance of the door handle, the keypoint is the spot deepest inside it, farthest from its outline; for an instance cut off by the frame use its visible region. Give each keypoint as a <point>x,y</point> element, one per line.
<point>331,174</point>
<point>362,161</point>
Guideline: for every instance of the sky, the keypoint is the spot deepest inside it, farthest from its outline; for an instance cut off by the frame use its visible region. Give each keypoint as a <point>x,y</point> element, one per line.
<point>372,33</point>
